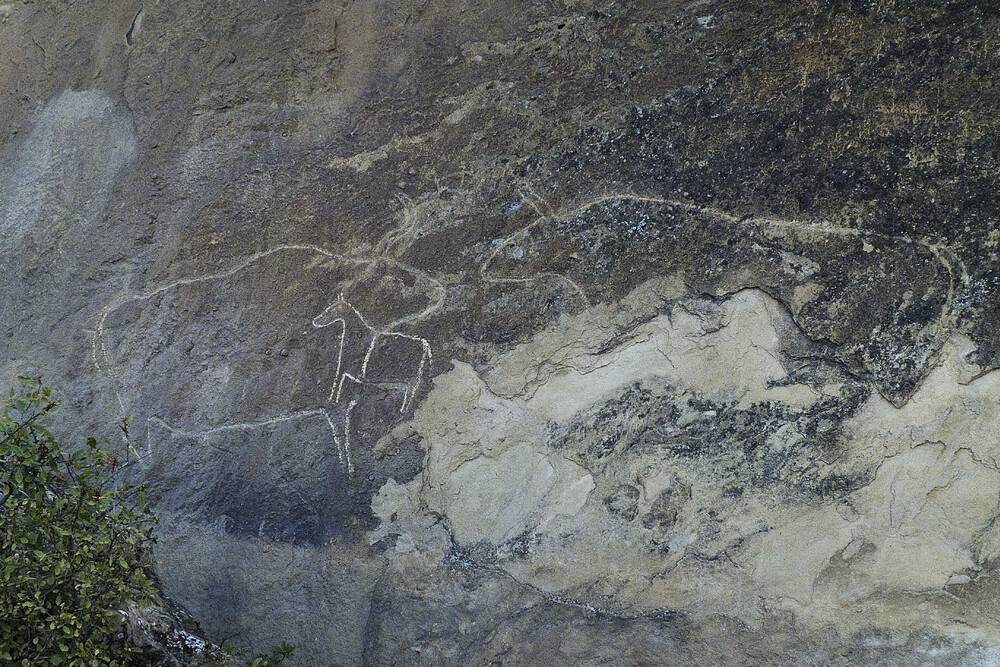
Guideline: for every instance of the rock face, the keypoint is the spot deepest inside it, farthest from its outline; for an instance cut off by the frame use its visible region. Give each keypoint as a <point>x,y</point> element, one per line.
<point>166,636</point>
<point>513,332</point>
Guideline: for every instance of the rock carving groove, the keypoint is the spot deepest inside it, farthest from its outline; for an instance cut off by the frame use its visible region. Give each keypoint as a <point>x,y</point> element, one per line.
<point>507,262</point>
<point>358,358</point>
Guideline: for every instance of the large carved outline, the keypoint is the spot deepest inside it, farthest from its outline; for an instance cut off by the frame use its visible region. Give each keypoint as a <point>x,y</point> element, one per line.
<point>103,364</point>
<point>943,253</point>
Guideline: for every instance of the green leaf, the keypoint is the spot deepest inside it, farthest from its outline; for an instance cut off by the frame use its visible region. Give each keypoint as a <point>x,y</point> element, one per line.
<point>72,548</point>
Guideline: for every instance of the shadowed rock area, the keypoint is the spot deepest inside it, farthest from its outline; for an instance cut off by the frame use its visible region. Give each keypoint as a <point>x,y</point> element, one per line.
<point>563,332</point>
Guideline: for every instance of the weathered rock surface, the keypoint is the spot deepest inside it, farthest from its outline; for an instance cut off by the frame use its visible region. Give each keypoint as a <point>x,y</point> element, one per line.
<point>529,332</point>
<point>163,635</point>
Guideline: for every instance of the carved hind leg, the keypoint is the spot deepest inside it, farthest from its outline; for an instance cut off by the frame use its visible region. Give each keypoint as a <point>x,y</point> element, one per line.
<point>426,357</point>
<point>398,360</point>
<point>341,438</point>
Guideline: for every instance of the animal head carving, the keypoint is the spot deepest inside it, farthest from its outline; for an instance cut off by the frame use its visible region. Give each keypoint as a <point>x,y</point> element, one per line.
<point>338,311</point>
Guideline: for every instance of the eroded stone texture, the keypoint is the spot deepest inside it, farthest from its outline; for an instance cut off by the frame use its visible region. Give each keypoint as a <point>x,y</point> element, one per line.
<point>517,332</point>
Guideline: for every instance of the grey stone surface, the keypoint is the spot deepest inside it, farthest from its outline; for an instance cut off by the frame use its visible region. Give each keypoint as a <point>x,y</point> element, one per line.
<point>523,332</point>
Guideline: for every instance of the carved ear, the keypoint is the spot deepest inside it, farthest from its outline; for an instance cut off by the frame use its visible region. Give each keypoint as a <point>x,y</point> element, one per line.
<point>326,318</point>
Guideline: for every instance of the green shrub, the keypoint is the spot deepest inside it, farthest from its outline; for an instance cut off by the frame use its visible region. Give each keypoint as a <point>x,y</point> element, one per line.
<point>278,655</point>
<point>72,542</point>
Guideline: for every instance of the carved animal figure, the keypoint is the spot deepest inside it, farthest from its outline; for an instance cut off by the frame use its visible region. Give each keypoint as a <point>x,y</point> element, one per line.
<point>225,352</point>
<point>387,355</point>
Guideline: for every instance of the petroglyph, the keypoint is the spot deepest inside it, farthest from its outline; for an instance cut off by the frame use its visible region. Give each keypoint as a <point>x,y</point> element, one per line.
<point>945,255</point>
<point>600,248</point>
<point>342,313</point>
<point>358,355</point>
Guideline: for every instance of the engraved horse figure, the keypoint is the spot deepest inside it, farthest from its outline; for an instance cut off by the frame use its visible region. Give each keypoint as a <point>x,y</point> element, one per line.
<point>380,359</point>
<point>217,395</point>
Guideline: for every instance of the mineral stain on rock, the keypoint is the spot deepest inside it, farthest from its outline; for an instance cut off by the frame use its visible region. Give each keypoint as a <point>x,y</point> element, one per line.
<point>64,171</point>
<point>575,332</point>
